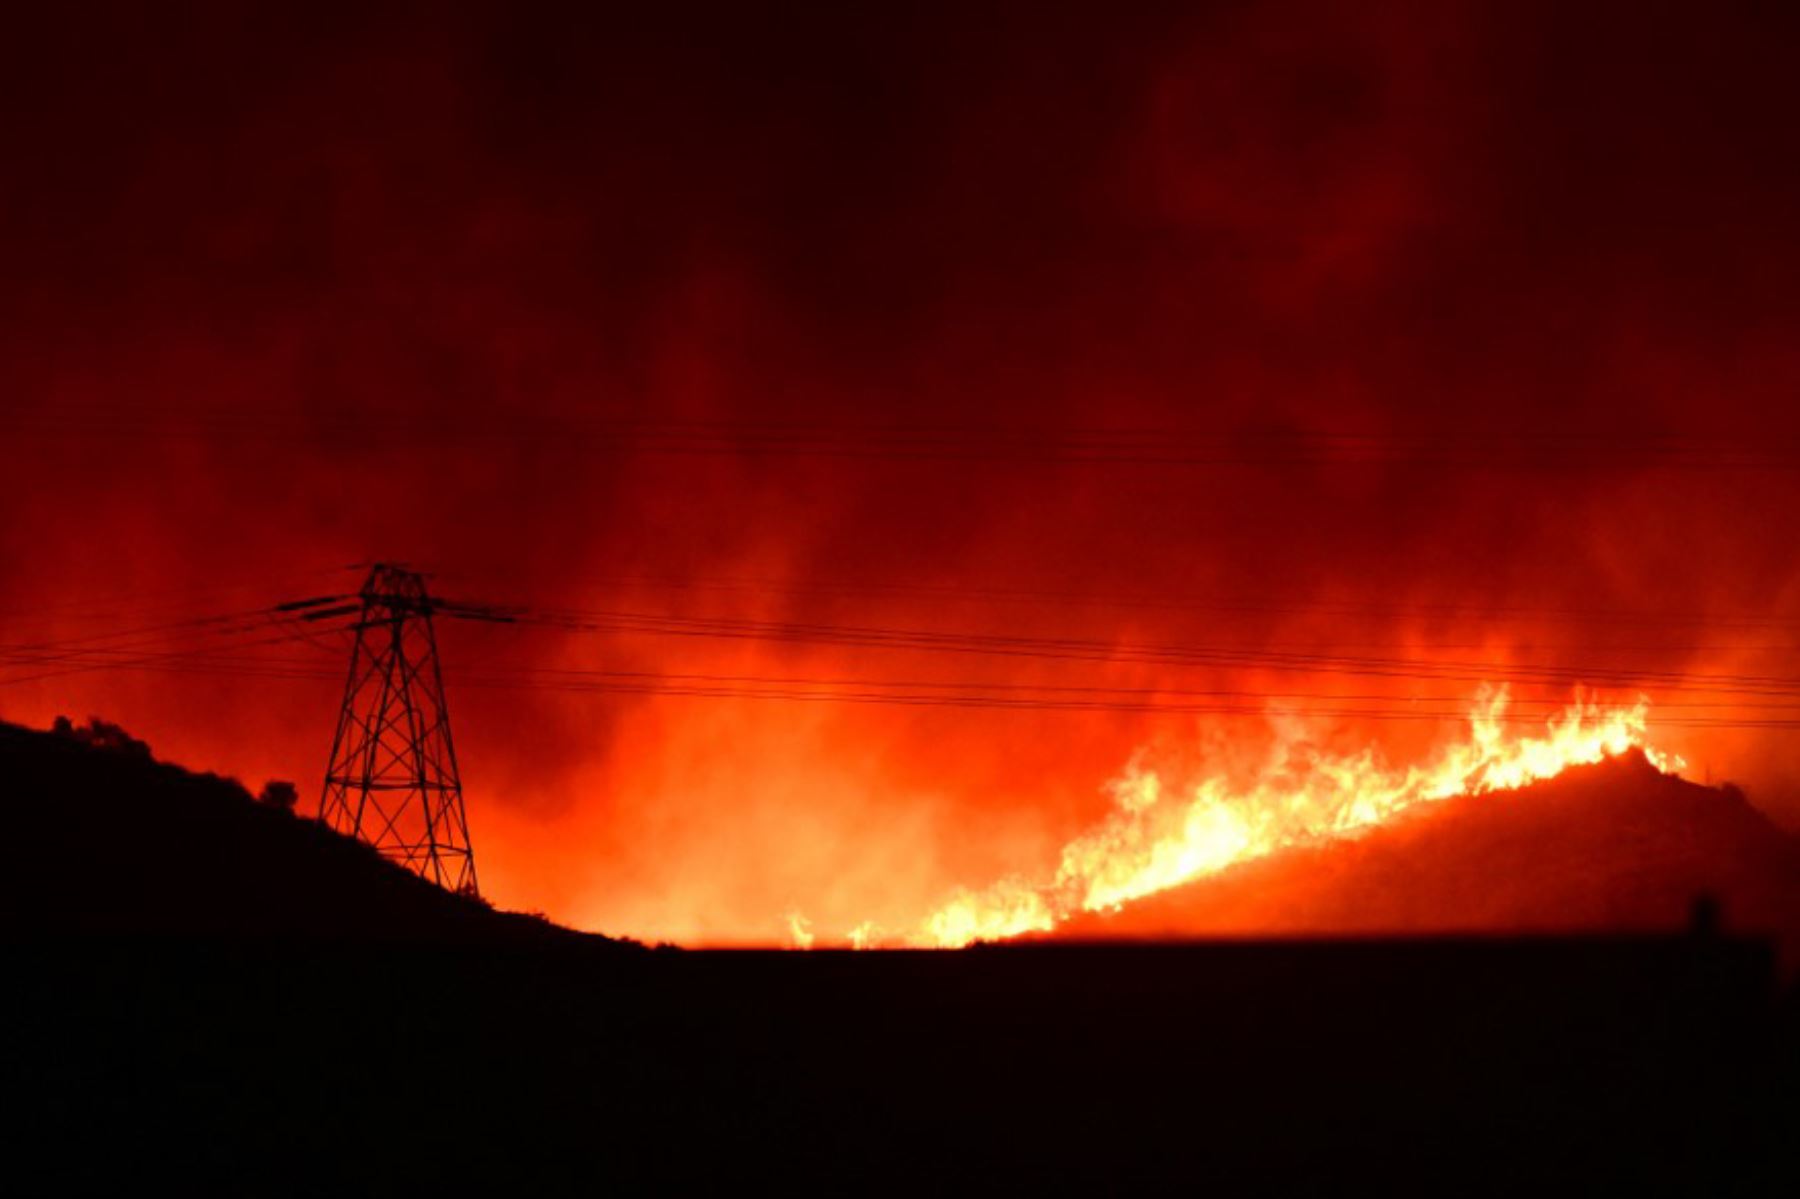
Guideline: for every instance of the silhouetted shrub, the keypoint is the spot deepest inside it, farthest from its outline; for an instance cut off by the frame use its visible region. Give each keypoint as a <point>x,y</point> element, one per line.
<point>102,734</point>
<point>280,795</point>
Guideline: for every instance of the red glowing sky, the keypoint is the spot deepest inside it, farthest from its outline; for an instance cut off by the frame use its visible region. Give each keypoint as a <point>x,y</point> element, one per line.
<point>289,290</point>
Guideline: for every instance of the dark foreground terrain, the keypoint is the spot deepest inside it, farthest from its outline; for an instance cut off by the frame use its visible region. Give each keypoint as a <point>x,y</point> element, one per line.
<point>457,1049</point>
<point>1447,1068</point>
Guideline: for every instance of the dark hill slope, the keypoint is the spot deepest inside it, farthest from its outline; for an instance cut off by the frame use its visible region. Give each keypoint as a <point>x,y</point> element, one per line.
<point>1615,847</point>
<point>409,1044</point>
<point>102,839</point>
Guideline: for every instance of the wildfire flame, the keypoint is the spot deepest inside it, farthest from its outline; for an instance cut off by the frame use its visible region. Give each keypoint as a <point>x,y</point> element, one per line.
<point>800,933</point>
<point>1161,835</point>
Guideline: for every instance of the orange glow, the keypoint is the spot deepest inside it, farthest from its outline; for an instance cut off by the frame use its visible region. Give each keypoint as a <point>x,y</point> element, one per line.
<point>800,934</point>
<point>879,436</point>
<point>1163,832</point>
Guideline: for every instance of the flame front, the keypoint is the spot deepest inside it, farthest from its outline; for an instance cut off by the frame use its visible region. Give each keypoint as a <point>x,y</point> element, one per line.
<point>800,933</point>
<point>1158,836</point>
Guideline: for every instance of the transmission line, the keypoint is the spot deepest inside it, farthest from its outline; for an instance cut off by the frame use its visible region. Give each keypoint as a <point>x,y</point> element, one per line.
<point>168,646</point>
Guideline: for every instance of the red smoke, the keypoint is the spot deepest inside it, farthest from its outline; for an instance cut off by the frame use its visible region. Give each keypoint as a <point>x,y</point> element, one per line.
<point>289,291</point>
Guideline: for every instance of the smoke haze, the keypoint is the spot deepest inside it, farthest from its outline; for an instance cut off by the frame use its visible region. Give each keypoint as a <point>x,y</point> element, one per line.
<point>1453,332</point>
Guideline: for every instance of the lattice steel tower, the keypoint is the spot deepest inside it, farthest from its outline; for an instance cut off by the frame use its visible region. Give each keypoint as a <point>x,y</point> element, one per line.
<point>392,780</point>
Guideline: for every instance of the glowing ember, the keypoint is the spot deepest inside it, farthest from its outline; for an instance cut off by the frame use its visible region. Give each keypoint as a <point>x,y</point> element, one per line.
<point>1160,836</point>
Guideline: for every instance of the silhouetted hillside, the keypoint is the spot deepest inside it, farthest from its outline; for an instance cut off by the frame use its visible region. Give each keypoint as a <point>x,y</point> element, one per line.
<point>1614,847</point>
<point>397,1039</point>
<point>103,839</point>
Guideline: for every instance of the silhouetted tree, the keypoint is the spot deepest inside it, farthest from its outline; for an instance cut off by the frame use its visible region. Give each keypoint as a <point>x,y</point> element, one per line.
<point>281,795</point>
<point>102,734</point>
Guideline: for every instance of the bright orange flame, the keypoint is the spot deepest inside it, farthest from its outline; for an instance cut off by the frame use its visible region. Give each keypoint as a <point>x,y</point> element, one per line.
<point>800,933</point>
<point>1159,836</point>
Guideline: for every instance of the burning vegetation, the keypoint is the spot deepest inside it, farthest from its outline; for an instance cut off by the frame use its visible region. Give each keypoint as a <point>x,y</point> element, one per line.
<point>1165,830</point>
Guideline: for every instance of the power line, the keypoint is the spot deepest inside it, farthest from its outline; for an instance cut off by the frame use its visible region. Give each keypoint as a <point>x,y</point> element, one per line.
<point>974,695</point>
<point>1061,649</point>
<point>1481,449</point>
<point>112,648</point>
<point>139,601</point>
<point>1076,649</point>
<point>169,645</point>
<point>89,661</point>
<point>1247,606</point>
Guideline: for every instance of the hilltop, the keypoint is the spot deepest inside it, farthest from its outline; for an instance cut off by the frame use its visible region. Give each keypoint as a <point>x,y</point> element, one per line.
<point>289,1012</point>
<point>1613,847</point>
<point>103,839</point>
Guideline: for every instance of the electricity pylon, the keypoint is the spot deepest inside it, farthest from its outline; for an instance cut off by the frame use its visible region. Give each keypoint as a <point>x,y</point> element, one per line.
<point>392,780</point>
